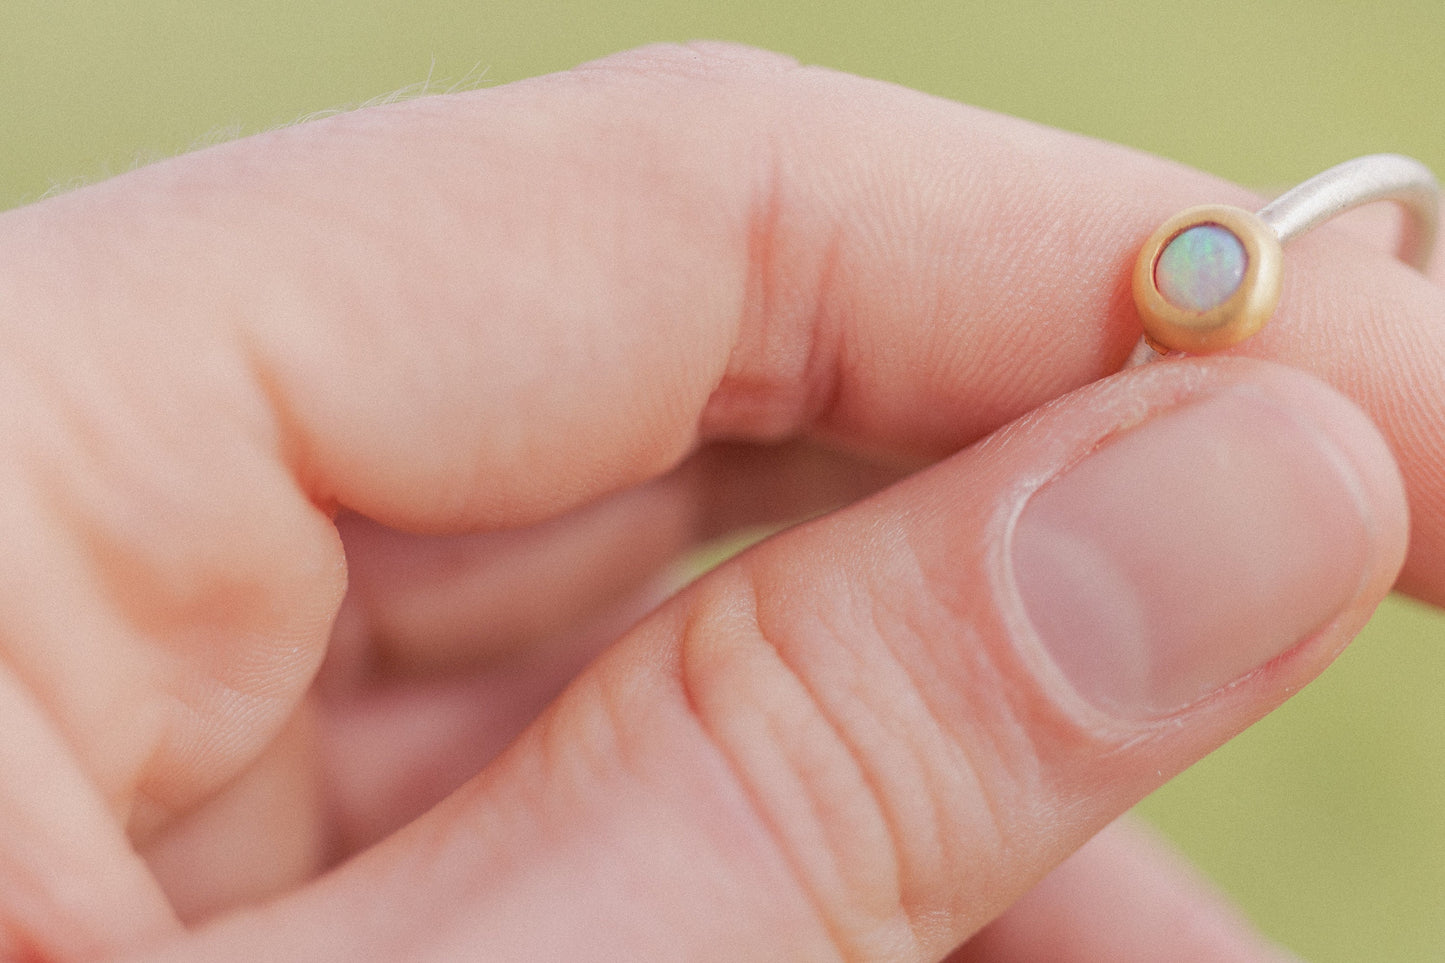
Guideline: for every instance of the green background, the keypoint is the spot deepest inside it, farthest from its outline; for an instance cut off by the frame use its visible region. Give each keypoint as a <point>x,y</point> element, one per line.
<point>1326,820</point>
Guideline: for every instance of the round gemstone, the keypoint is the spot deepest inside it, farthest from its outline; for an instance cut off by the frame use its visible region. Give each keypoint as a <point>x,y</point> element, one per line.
<point>1200,267</point>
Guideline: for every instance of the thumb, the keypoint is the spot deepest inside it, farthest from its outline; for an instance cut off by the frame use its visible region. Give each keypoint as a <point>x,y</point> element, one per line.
<point>869,735</point>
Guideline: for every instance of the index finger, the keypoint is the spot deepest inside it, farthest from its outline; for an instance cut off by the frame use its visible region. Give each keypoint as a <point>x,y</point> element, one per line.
<point>577,278</point>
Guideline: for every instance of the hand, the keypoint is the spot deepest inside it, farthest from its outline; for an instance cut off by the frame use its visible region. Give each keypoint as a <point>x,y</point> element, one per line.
<point>560,332</point>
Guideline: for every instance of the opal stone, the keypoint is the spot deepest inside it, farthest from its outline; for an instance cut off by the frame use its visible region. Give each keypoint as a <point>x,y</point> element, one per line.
<point>1200,267</point>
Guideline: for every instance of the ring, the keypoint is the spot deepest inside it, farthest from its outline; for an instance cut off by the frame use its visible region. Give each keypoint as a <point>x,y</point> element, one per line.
<point>1209,277</point>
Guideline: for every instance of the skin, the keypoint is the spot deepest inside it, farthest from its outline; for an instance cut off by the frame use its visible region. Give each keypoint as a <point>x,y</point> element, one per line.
<point>500,359</point>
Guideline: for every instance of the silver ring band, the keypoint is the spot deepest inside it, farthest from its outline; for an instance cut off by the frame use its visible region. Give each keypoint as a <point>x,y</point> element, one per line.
<point>1364,180</point>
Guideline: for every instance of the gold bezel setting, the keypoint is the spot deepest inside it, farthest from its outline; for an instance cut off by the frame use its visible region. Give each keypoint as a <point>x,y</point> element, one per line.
<point>1169,327</point>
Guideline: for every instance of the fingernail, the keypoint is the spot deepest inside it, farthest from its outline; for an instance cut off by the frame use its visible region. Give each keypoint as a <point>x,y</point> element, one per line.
<point>1189,550</point>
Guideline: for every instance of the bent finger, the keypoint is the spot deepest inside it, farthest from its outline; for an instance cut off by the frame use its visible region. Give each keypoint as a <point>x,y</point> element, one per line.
<point>446,301</point>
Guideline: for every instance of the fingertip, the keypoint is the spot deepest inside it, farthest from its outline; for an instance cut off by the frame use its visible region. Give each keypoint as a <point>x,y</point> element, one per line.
<point>1214,532</point>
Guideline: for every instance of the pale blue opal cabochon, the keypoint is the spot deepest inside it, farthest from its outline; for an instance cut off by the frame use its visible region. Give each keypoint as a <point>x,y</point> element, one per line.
<point>1201,267</point>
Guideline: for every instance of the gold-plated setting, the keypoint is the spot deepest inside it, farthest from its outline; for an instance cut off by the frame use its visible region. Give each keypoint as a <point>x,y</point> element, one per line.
<point>1170,327</point>
<point>1201,269</point>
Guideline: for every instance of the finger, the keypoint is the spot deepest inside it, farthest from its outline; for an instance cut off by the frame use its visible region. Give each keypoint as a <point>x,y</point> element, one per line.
<point>868,736</point>
<point>1380,226</point>
<point>266,833</point>
<point>1125,897</point>
<point>753,277</point>
<point>424,603</point>
<point>72,888</point>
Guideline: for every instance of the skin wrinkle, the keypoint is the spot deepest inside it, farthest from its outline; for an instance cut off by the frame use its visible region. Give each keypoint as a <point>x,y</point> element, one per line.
<point>697,632</point>
<point>734,390</point>
<point>966,765</point>
<point>764,395</point>
<point>880,790</point>
<point>692,731</point>
<point>290,442</point>
<point>829,344</point>
<point>963,768</point>
<point>848,635</point>
<point>1015,717</point>
<point>659,691</point>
